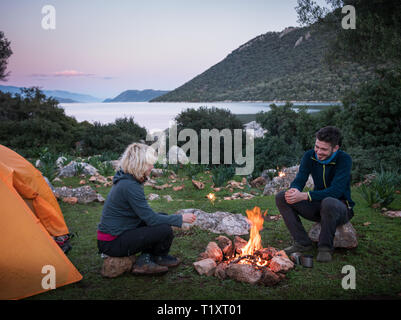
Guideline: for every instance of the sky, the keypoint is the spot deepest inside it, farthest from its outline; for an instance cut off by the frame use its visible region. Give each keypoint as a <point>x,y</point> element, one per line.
<point>103,48</point>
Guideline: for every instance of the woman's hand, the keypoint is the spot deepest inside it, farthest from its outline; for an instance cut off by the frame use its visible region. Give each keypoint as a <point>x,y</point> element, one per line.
<point>188,218</point>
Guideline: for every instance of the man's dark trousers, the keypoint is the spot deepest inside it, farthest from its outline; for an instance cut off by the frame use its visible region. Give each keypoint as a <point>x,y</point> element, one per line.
<point>330,212</point>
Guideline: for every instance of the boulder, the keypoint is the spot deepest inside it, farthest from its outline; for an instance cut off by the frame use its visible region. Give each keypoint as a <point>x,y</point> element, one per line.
<point>70,170</point>
<point>243,273</point>
<point>84,194</point>
<point>220,271</point>
<point>281,183</point>
<point>177,155</point>
<point>219,222</point>
<point>345,236</point>
<point>205,266</point>
<point>115,266</point>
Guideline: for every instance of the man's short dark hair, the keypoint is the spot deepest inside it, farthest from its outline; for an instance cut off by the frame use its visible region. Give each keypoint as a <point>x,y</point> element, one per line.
<point>329,134</point>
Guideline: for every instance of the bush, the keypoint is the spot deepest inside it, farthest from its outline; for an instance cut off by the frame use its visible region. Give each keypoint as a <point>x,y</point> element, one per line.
<point>222,174</point>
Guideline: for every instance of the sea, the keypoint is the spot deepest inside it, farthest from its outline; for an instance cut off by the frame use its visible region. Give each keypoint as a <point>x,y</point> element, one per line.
<point>156,116</point>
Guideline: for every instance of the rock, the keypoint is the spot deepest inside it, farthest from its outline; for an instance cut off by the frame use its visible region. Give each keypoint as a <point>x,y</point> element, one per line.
<point>116,266</point>
<point>177,155</point>
<point>168,198</point>
<point>178,188</point>
<point>49,184</point>
<point>258,182</point>
<point>199,185</point>
<point>70,200</point>
<point>220,271</point>
<point>115,164</point>
<point>243,273</point>
<point>161,187</point>
<point>268,253</point>
<point>153,196</point>
<point>226,245</point>
<point>269,278</point>
<point>214,252</point>
<point>219,222</point>
<point>70,170</point>
<point>205,266</point>
<point>84,194</point>
<point>259,132</point>
<point>281,183</point>
<point>280,262</point>
<point>239,243</point>
<point>392,214</point>
<point>156,172</point>
<point>299,41</point>
<point>345,236</point>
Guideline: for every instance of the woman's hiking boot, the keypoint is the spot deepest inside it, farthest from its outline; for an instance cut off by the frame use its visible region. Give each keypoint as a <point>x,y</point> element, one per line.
<point>145,266</point>
<point>167,261</point>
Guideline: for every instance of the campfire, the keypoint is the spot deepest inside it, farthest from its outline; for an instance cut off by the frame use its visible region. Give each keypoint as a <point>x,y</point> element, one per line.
<point>242,260</point>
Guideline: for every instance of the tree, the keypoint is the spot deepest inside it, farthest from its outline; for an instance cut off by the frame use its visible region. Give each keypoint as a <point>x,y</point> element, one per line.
<point>376,39</point>
<point>5,53</point>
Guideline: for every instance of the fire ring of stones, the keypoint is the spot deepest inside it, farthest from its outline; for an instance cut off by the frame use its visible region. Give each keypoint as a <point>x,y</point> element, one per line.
<point>245,261</point>
<point>223,259</point>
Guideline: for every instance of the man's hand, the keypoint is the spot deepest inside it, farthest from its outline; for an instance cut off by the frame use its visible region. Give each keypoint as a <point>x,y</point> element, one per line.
<point>293,195</point>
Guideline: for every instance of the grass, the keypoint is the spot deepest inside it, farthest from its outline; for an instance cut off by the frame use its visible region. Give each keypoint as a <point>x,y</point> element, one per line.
<point>377,259</point>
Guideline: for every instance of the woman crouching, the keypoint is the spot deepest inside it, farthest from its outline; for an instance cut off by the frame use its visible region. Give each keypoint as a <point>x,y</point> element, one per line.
<point>129,225</point>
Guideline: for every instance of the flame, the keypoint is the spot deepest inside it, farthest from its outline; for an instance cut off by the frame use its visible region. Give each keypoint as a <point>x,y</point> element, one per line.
<point>211,197</point>
<point>281,174</point>
<point>255,240</point>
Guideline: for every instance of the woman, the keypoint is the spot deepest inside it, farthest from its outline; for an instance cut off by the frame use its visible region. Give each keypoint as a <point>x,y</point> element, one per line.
<point>129,225</point>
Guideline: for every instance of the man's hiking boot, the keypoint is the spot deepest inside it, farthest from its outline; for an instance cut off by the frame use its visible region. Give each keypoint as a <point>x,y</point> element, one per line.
<point>324,254</point>
<point>167,261</point>
<point>145,266</point>
<point>296,247</point>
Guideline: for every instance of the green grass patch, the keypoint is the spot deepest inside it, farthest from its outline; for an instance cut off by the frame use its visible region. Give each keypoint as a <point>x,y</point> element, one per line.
<point>377,259</point>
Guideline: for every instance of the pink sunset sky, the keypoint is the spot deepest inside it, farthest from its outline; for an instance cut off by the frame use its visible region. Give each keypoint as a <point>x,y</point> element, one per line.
<point>103,47</point>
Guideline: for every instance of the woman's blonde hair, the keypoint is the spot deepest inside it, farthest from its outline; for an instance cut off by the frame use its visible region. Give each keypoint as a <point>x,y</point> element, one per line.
<point>136,159</point>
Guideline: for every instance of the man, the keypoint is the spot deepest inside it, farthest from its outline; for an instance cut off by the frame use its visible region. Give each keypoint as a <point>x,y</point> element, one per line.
<point>329,203</point>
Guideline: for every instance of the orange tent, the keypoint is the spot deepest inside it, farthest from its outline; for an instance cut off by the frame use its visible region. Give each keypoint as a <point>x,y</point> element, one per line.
<point>31,262</point>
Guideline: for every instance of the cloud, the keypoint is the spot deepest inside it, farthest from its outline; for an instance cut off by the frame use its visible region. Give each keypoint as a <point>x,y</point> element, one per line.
<point>64,73</point>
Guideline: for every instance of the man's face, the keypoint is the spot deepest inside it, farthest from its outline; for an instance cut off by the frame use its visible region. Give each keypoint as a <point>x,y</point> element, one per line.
<point>324,149</point>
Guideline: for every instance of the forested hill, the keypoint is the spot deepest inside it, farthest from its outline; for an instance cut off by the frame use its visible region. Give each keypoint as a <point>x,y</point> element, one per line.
<point>287,65</point>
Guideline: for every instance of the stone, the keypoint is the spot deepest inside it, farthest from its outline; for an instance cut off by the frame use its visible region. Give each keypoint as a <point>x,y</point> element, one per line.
<point>345,236</point>
<point>205,266</point>
<point>269,278</point>
<point>220,271</point>
<point>268,253</point>
<point>156,172</point>
<point>392,214</point>
<point>280,262</point>
<point>70,170</point>
<point>115,266</point>
<point>259,132</point>
<point>153,196</point>
<point>178,188</point>
<point>199,185</point>
<point>84,194</point>
<point>214,252</point>
<point>226,245</point>
<point>168,198</point>
<point>177,155</point>
<point>219,222</point>
<point>243,273</point>
<point>70,200</point>
<point>258,182</point>
<point>282,183</point>
<point>239,243</point>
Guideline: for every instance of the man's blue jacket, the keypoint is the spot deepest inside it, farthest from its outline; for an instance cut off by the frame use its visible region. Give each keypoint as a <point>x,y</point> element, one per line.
<point>331,180</point>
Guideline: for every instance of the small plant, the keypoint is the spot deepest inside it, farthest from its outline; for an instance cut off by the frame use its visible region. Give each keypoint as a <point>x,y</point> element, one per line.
<point>48,163</point>
<point>106,169</point>
<point>222,174</point>
<point>80,168</point>
<point>380,192</point>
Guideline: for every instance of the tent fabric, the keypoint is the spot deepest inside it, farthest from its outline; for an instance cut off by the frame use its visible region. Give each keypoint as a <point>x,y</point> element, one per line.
<point>27,247</point>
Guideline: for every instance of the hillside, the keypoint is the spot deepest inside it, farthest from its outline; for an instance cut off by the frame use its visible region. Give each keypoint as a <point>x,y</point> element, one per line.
<point>287,65</point>
<point>137,95</point>
<point>60,95</point>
